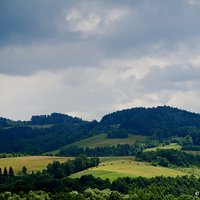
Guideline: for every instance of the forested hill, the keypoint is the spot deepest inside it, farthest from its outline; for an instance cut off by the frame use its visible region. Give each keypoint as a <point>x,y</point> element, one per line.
<point>54,118</point>
<point>162,120</point>
<point>48,132</point>
<point>42,133</point>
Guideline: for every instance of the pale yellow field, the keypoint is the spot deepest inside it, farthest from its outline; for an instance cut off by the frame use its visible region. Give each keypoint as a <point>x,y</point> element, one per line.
<point>32,163</point>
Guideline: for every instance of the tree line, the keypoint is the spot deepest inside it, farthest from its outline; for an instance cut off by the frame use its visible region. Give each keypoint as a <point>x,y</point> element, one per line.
<point>119,150</point>
<point>166,157</point>
<point>89,187</point>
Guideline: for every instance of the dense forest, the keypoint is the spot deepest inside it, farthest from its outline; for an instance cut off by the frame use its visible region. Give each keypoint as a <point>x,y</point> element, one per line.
<point>119,150</point>
<point>49,132</point>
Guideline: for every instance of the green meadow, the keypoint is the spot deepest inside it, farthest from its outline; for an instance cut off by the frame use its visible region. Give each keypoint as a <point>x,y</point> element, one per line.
<point>169,146</point>
<point>113,169</point>
<point>102,140</point>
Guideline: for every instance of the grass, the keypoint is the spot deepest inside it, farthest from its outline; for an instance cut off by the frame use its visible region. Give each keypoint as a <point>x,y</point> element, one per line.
<point>32,163</point>
<point>110,167</point>
<point>169,146</point>
<point>115,158</point>
<point>44,126</point>
<point>192,152</point>
<point>128,167</point>
<point>102,140</point>
<point>191,170</point>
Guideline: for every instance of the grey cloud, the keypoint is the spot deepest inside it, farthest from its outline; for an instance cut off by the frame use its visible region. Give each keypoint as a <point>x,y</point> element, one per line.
<point>153,22</point>
<point>24,21</point>
<point>172,78</point>
<point>39,23</point>
<point>26,60</point>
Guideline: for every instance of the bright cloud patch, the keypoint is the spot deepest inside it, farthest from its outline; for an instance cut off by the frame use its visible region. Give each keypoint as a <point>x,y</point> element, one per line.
<point>88,21</point>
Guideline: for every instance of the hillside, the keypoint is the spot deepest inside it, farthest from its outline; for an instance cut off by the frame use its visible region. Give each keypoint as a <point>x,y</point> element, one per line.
<point>42,133</point>
<point>32,163</point>
<point>161,122</point>
<point>169,146</point>
<point>102,140</point>
<point>46,133</point>
<point>126,166</point>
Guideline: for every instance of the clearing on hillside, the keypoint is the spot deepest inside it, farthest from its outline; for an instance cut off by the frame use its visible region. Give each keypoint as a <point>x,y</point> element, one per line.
<point>32,163</point>
<point>174,146</point>
<point>128,167</point>
<point>102,140</point>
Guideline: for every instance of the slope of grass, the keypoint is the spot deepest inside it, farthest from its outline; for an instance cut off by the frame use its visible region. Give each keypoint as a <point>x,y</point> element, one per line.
<point>102,140</point>
<point>169,146</point>
<point>192,152</point>
<point>128,167</point>
<point>191,170</point>
<point>32,163</point>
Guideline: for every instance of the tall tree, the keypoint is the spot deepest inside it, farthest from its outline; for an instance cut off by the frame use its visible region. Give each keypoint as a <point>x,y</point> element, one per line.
<point>11,172</point>
<point>5,172</point>
<point>24,170</point>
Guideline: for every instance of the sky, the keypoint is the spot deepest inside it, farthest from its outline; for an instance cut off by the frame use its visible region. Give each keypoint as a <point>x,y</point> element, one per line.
<point>87,58</point>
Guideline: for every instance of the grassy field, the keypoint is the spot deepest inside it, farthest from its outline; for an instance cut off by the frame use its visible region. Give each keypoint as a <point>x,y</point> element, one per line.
<point>110,167</point>
<point>113,169</point>
<point>32,163</point>
<point>169,146</point>
<point>101,140</point>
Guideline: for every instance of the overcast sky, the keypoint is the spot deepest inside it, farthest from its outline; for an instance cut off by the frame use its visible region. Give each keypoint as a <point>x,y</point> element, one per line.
<point>87,58</point>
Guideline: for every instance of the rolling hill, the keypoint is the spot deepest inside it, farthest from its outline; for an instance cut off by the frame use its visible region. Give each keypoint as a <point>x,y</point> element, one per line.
<point>126,166</point>
<point>32,163</point>
<point>46,133</point>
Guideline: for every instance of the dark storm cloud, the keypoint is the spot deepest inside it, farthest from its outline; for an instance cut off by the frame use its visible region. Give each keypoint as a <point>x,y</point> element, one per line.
<point>111,29</point>
<point>152,22</point>
<point>24,21</point>
<point>146,21</point>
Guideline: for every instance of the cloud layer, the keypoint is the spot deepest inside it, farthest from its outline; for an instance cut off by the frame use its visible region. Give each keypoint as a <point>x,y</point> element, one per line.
<point>87,58</point>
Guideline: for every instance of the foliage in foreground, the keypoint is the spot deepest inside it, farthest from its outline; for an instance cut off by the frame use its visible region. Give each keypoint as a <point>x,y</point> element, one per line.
<point>94,194</point>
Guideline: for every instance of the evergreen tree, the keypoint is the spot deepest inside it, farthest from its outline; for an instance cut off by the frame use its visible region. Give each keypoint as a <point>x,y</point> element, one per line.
<point>11,172</point>
<point>24,170</point>
<point>5,172</point>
